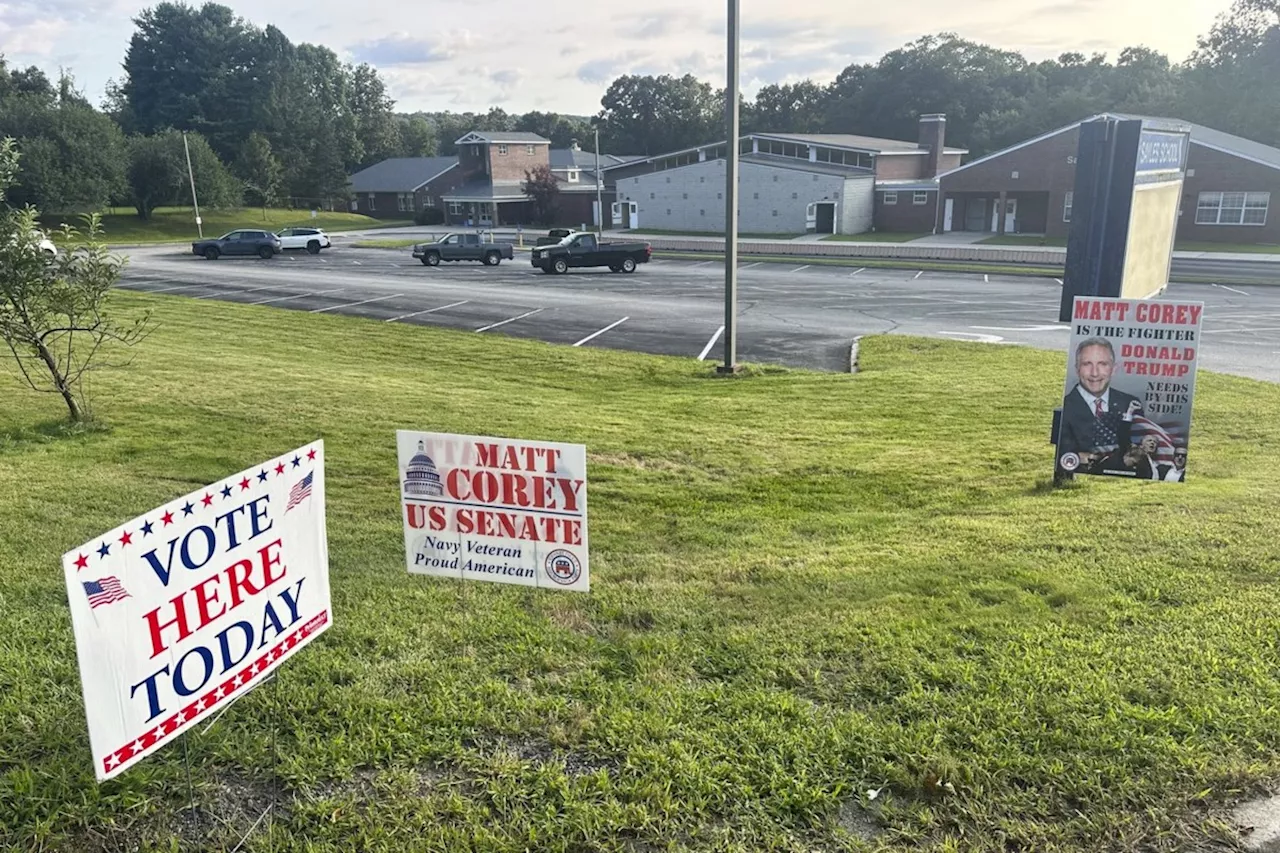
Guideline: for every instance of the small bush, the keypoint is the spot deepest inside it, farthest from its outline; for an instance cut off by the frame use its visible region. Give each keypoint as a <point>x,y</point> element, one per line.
<point>429,216</point>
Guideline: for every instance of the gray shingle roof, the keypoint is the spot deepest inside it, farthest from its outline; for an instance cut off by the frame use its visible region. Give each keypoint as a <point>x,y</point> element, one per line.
<point>1220,140</point>
<point>517,136</point>
<point>567,158</point>
<point>400,174</point>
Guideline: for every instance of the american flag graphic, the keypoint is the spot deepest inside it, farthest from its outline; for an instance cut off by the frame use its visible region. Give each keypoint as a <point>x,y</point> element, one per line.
<point>1165,440</point>
<point>300,492</point>
<point>104,591</point>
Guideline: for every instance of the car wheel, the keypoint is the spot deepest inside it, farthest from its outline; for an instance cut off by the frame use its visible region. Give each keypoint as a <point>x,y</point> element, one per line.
<point>629,265</point>
<point>431,259</point>
<point>266,253</point>
<point>211,254</point>
<point>313,247</point>
<point>492,259</point>
<point>560,265</point>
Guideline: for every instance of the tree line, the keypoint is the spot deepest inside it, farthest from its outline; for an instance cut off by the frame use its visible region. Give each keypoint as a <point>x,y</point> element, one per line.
<point>266,120</point>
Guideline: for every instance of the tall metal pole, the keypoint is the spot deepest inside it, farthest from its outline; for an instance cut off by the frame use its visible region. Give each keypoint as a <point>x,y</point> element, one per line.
<point>599,191</point>
<point>731,196</point>
<point>192,177</point>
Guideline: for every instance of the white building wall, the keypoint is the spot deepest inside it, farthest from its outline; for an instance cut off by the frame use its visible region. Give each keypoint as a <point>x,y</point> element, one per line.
<point>771,199</point>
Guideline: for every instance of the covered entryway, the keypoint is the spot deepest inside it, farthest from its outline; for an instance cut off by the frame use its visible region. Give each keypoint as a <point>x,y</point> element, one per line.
<point>624,214</point>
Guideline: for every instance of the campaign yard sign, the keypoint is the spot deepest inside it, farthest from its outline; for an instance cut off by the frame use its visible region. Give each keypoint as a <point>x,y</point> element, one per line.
<point>184,609</point>
<point>1131,378</point>
<point>495,509</point>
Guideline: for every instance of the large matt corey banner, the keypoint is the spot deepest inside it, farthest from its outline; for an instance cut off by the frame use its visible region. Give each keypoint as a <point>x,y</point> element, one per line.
<point>495,509</point>
<point>184,609</point>
<point>1131,377</point>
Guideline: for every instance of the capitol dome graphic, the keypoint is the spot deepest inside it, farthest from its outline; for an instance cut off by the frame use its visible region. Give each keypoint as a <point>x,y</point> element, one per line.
<point>420,477</point>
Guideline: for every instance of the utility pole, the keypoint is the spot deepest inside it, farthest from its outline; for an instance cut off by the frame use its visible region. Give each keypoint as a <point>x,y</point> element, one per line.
<point>731,196</point>
<point>599,191</point>
<point>192,177</point>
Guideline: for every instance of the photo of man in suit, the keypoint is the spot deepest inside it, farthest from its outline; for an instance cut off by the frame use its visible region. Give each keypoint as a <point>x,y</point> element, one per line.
<point>1177,472</point>
<point>1097,420</point>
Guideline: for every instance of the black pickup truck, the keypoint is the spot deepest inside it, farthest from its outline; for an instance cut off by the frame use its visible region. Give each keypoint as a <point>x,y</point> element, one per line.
<point>582,250</point>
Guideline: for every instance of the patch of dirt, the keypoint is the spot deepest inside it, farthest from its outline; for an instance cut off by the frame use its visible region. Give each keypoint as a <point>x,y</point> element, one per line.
<point>860,823</point>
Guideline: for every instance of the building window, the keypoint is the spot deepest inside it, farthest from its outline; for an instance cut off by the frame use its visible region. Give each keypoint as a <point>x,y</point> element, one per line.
<point>775,213</point>
<point>502,150</point>
<point>428,201</point>
<point>1232,208</point>
<point>890,198</point>
<point>373,204</point>
<point>1014,176</point>
<point>756,196</point>
<point>455,208</point>
<point>920,197</point>
<point>528,149</point>
<point>652,196</point>
<point>668,179</point>
<point>1066,206</point>
<point>795,195</point>
<point>573,177</point>
<point>775,179</point>
<point>668,211</point>
<point>720,196</point>
<point>702,213</point>
<point>404,202</point>
<point>684,196</point>
<point>702,179</point>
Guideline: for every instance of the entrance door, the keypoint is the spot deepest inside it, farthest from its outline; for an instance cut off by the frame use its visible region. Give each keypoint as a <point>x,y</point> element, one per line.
<point>975,215</point>
<point>1011,216</point>
<point>825,223</point>
<point>947,210</point>
<point>633,216</point>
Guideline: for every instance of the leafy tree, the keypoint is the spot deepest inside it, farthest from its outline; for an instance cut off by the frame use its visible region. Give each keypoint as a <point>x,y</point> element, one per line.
<point>158,173</point>
<point>562,130</point>
<point>543,191</point>
<point>650,115</point>
<point>55,314</point>
<point>417,137</point>
<point>789,108</point>
<point>259,171</point>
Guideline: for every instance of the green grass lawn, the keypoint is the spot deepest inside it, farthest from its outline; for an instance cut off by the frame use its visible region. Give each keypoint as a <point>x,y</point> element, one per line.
<point>805,587</point>
<point>172,224</point>
<point>1028,240</point>
<point>388,244</point>
<point>875,237</point>
<point>871,263</point>
<point>748,235</point>
<point>1242,248</point>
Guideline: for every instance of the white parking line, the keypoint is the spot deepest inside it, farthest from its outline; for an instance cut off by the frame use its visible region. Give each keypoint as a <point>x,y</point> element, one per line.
<point>240,291</point>
<point>175,287</point>
<point>295,296</point>
<point>855,272</point>
<point>805,267</point>
<point>1232,289</point>
<point>702,356</point>
<point>1058,280</point>
<point>917,275</point>
<point>986,277</point>
<point>702,263</point>
<point>601,332</point>
<point>357,263</point>
<point>510,320</point>
<point>749,266</point>
<point>429,311</point>
<point>353,304</point>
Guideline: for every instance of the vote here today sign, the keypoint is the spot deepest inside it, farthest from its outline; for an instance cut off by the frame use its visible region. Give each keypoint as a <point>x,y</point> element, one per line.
<point>182,610</point>
<point>495,509</point>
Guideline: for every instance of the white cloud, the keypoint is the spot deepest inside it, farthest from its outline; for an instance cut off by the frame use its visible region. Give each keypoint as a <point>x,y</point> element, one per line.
<point>459,54</point>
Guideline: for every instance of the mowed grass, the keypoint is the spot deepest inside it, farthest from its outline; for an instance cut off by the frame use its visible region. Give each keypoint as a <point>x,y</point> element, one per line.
<point>806,587</point>
<point>1182,245</point>
<point>172,224</point>
<point>876,237</point>
<point>388,244</point>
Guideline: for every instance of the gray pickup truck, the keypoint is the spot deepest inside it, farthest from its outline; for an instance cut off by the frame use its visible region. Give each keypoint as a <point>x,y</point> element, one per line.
<point>462,247</point>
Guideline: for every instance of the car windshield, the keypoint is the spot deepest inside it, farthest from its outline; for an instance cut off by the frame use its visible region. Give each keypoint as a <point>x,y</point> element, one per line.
<point>230,235</point>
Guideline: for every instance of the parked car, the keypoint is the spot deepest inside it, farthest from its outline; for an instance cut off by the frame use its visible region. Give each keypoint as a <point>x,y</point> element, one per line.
<point>311,239</point>
<point>264,244</point>
<point>555,235</point>
<point>463,247</point>
<point>583,250</point>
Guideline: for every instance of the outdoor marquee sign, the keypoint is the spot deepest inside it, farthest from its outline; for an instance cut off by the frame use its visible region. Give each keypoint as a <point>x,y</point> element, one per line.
<point>495,509</point>
<point>184,609</point>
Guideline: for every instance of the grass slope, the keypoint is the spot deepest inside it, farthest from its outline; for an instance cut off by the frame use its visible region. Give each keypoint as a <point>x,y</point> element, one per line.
<point>805,587</point>
<point>172,224</point>
<point>876,237</point>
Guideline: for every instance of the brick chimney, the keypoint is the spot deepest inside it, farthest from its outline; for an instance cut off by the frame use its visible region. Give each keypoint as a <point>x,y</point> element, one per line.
<point>933,136</point>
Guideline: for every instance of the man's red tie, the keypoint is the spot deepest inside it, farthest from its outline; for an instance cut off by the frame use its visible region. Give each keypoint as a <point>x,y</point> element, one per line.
<point>1098,411</point>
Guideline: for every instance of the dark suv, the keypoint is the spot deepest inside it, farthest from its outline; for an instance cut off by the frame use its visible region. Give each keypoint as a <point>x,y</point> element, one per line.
<point>264,244</point>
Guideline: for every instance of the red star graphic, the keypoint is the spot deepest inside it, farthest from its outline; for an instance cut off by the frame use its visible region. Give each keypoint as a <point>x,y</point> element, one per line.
<point>126,538</point>
<point>311,454</point>
<point>167,518</point>
<point>82,562</point>
<point>244,484</point>
<point>207,500</point>
<point>280,468</point>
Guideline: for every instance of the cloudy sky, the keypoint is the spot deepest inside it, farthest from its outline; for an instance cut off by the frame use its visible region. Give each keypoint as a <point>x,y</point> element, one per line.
<point>561,55</point>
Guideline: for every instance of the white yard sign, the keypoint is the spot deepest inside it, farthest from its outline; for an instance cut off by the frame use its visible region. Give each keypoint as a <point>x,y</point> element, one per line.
<point>184,609</point>
<point>495,509</point>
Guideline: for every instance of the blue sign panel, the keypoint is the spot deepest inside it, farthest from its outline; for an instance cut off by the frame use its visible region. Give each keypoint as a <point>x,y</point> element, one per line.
<point>1160,151</point>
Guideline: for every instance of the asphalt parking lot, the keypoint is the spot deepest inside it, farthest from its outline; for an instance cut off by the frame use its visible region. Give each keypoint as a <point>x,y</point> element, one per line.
<point>803,315</point>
